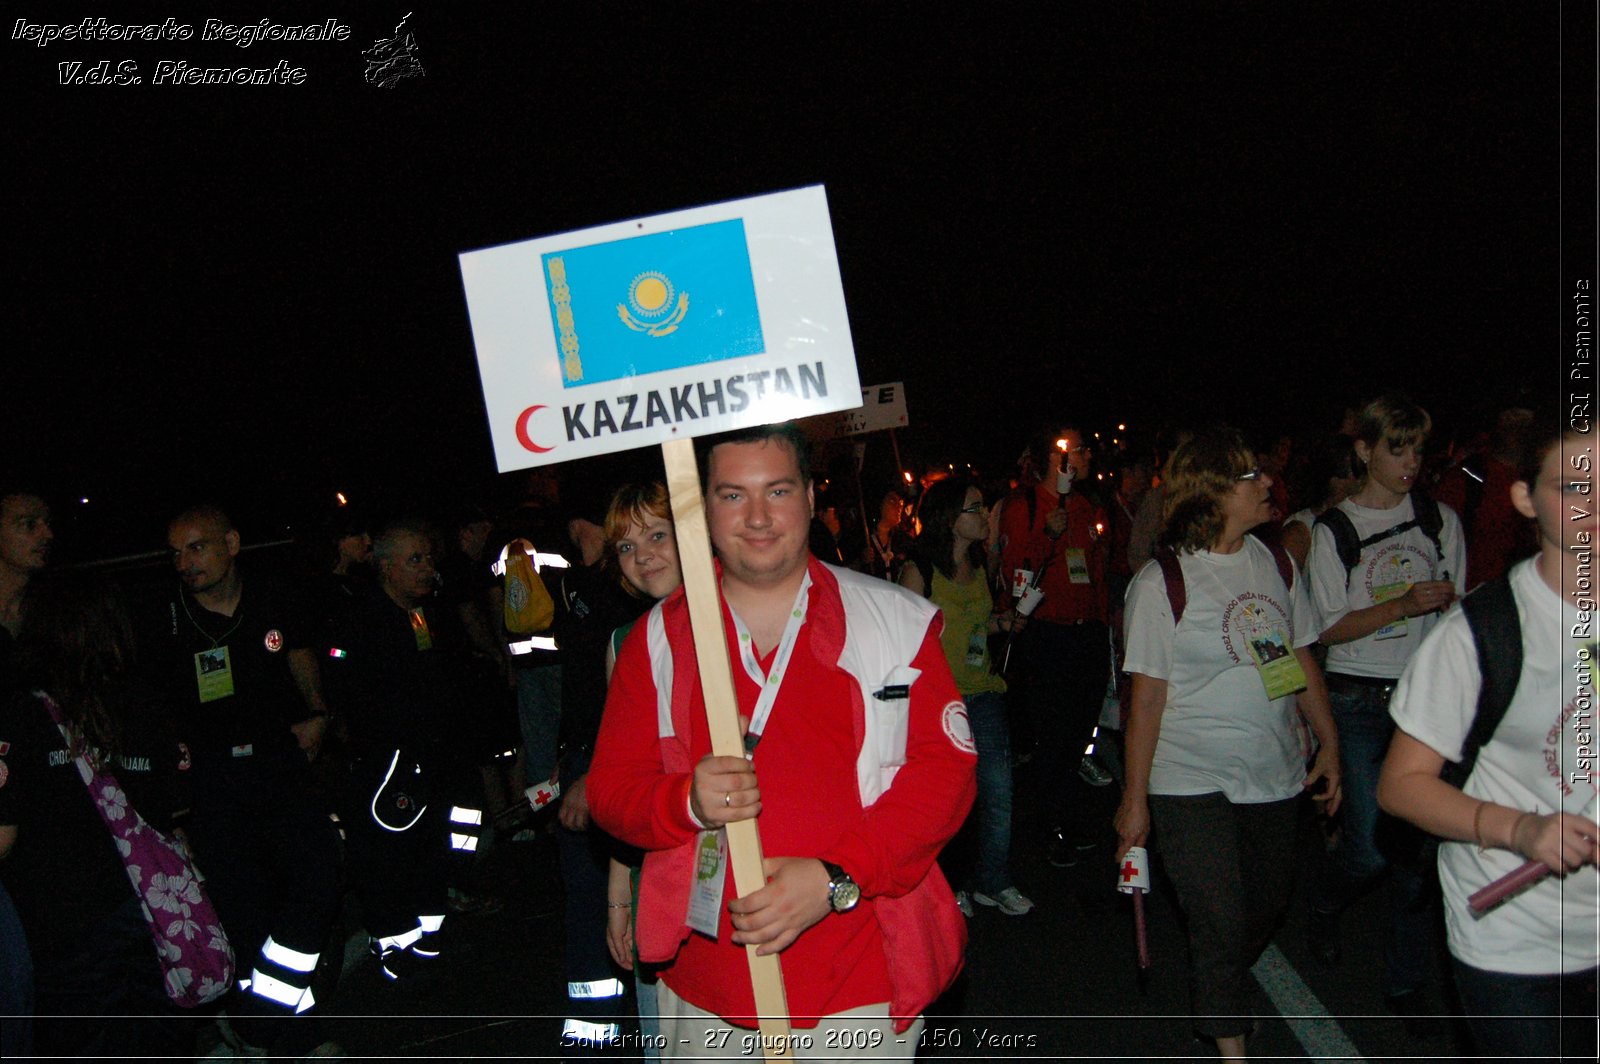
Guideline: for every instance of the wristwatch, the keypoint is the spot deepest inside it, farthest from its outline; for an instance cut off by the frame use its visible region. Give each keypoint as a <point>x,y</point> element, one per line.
<point>843,893</point>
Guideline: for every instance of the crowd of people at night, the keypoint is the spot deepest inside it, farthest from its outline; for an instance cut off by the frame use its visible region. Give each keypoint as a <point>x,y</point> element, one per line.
<point>1244,636</point>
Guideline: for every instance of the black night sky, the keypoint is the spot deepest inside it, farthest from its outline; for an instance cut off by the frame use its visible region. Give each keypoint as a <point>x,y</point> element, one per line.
<point>1117,211</point>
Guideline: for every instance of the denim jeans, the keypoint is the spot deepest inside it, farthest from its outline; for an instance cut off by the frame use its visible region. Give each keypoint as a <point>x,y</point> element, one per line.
<point>1540,1017</point>
<point>991,812</point>
<point>539,718</point>
<point>16,984</point>
<point>1365,728</point>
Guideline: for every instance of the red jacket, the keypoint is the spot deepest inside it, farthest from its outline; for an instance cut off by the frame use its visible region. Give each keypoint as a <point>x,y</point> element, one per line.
<point>823,761</point>
<point>1025,541</point>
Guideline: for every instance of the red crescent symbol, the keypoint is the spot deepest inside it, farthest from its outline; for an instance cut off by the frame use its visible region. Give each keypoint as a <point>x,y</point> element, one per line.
<point>522,430</point>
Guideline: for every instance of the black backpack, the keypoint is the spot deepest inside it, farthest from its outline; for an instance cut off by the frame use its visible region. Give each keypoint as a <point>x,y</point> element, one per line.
<point>1426,515</point>
<point>1497,637</point>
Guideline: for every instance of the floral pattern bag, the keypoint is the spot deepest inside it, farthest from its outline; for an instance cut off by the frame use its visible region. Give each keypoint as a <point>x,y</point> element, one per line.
<point>196,959</point>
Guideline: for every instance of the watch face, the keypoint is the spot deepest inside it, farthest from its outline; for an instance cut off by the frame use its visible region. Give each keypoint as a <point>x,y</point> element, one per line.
<point>845,895</point>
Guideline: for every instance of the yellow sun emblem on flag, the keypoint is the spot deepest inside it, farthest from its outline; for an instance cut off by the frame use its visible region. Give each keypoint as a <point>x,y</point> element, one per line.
<point>654,307</point>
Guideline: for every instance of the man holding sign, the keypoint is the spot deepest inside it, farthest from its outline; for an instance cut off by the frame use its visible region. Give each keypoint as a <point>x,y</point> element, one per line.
<point>860,768</point>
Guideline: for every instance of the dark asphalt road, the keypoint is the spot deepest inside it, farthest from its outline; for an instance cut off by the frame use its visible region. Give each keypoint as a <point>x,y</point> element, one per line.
<point>1059,983</point>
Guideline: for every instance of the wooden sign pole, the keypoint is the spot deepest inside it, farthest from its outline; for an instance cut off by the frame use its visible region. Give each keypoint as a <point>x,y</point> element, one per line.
<point>722,716</point>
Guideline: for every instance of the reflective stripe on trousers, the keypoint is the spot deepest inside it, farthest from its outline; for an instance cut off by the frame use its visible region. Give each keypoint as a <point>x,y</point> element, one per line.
<point>283,976</point>
<point>600,988</point>
<point>574,1031</point>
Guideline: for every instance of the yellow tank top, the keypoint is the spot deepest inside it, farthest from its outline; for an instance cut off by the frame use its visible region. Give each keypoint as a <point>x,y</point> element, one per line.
<point>966,632</point>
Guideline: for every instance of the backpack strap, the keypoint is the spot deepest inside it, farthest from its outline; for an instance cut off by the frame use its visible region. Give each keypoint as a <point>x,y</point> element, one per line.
<point>1491,613</point>
<point>1345,541</point>
<point>1280,557</point>
<point>1172,573</point>
<point>1430,519</point>
<point>1425,515</point>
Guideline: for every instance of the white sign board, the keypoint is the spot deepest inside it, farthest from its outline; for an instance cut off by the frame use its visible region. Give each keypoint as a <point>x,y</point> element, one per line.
<point>883,406</point>
<point>661,328</point>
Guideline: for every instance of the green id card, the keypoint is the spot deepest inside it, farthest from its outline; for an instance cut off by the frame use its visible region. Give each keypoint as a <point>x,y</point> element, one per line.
<point>1276,663</point>
<point>419,628</point>
<point>710,868</point>
<point>1077,565</point>
<point>213,674</point>
<point>1383,593</point>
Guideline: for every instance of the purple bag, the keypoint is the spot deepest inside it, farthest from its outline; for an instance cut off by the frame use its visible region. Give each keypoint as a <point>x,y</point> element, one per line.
<point>195,957</point>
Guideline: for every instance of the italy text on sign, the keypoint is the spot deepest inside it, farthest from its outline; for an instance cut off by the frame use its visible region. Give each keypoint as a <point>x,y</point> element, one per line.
<point>660,328</point>
<point>883,406</point>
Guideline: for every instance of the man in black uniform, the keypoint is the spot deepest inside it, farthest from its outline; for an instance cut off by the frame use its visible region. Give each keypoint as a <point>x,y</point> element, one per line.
<point>408,808</point>
<point>239,670</point>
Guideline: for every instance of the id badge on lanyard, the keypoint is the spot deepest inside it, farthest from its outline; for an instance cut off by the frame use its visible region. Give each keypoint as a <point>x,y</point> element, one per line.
<point>711,850</point>
<point>710,869</point>
<point>1275,660</point>
<point>419,628</point>
<point>1077,565</point>
<point>1383,593</point>
<point>213,674</point>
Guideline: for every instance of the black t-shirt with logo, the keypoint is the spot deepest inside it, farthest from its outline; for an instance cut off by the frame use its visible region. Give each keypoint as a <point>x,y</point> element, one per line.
<point>64,872</point>
<point>185,650</point>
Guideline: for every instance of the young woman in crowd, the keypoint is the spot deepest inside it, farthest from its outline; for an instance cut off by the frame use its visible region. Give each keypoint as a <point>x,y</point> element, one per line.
<point>639,531</point>
<point>949,570</point>
<point>1533,959</point>
<point>1214,756</point>
<point>99,990</point>
<point>1331,473</point>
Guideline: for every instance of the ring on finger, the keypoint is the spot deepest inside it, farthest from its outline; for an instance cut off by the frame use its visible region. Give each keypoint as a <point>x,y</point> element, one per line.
<point>727,799</point>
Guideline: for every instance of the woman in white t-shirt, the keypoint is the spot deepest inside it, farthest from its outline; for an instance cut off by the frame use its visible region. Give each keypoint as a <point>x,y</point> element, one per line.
<point>1534,957</point>
<point>1214,753</point>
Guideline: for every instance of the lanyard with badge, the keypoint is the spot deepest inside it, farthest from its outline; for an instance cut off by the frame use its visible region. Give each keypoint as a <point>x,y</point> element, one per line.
<point>711,850</point>
<point>1268,643</point>
<point>419,628</point>
<point>213,668</point>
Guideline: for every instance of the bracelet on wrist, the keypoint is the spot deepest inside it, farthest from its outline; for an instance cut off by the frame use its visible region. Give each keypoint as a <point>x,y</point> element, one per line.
<point>1477,825</point>
<point>619,905</point>
<point>1511,843</point>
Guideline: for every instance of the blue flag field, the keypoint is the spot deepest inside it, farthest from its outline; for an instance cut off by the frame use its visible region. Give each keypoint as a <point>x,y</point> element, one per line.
<point>650,303</point>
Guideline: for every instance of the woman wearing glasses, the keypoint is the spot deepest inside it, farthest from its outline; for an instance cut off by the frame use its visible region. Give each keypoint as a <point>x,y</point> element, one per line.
<point>1214,754</point>
<point>949,571</point>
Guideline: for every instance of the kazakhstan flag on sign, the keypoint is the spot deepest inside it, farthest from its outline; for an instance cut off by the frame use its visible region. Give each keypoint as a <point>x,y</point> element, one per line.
<point>653,303</point>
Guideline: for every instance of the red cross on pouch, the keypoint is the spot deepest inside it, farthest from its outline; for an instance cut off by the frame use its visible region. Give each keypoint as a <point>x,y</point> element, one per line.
<point>541,797</point>
<point>1128,871</point>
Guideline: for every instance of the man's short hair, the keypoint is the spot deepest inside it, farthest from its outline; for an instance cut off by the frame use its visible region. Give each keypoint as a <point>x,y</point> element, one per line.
<point>205,513</point>
<point>386,544</point>
<point>785,432</point>
<point>18,490</point>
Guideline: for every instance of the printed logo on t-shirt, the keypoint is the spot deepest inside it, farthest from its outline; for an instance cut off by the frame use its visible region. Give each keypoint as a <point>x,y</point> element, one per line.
<point>1395,565</point>
<point>957,728</point>
<point>274,641</point>
<point>1248,617</point>
<point>184,760</point>
<point>1572,736</point>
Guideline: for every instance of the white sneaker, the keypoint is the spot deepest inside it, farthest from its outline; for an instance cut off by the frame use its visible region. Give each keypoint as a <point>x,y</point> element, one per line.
<point>1009,901</point>
<point>1092,772</point>
<point>964,903</point>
